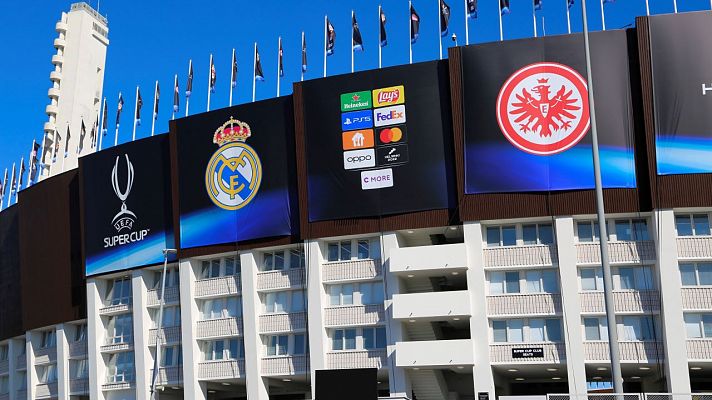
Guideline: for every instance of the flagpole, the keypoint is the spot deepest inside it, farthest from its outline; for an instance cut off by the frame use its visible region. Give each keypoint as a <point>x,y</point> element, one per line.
<point>501,32</point>
<point>534,18</point>
<point>647,8</point>
<point>32,160</point>
<point>17,189</point>
<point>302,67</point>
<point>187,98</point>
<point>352,41</point>
<point>210,78</point>
<point>41,157</point>
<point>326,27</point>
<point>9,197</point>
<point>135,114</point>
<point>603,15</point>
<point>279,46</point>
<point>254,78</point>
<point>379,37</point>
<point>155,114</point>
<point>543,26</point>
<point>606,267</point>
<point>440,29</point>
<point>116,135</point>
<point>568,16</point>
<point>410,32</point>
<point>232,78</point>
<point>175,84</point>
<point>674,4</point>
<point>103,115</point>
<point>467,25</point>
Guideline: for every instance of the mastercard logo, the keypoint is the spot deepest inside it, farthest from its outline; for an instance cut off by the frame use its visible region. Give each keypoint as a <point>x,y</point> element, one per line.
<point>391,135</point>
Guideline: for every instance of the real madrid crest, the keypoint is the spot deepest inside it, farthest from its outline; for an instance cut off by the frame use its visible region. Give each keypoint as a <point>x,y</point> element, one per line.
<point>234,172</point>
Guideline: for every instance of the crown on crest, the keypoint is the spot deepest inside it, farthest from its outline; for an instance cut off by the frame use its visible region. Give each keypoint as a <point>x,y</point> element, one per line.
<point>543,80</point>
<point>232,131</point>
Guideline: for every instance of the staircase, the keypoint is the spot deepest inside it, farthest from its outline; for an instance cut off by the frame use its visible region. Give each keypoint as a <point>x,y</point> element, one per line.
<point>428,384</point>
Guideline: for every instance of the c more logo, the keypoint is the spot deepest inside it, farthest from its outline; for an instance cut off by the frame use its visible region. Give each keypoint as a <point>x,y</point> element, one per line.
<point>357,159</point>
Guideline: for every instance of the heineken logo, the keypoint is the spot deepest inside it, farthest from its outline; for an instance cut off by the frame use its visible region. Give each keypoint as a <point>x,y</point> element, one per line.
<point>356,101</point>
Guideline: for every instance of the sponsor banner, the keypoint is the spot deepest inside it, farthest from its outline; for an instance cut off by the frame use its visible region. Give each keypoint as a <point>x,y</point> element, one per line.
<point>356,101</point>
<point>682,88</point>
<point>526,114</point>
<point>393,157</point>
<point>128,218</point>
<point>236,173</point>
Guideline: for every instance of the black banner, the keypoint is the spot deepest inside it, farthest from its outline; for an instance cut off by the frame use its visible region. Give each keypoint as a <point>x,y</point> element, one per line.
<point>528,352</point>
<point>127,205</point>
<point>378,142</point>
<point>10,285</point>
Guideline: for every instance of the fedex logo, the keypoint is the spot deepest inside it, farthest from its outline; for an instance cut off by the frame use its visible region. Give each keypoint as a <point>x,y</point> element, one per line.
<point>388,96</point>
<point>389,115</point>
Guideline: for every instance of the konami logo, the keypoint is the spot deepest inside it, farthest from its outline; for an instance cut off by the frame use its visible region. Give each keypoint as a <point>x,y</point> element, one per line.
<point>389,115</point>
<point>388,96</point>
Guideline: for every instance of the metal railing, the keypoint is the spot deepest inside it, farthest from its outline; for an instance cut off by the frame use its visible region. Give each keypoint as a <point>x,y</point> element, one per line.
<point>630,396</point>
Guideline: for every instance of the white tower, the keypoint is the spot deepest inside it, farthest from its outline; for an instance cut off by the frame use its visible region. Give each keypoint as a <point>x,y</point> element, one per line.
<point>77,81</point>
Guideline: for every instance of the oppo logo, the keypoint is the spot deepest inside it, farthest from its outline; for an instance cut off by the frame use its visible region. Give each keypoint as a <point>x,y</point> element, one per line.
<point>357,159</point>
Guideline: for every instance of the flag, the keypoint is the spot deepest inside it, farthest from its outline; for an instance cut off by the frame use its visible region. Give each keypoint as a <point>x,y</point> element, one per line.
<point>258,66</point>
<point>382,24</point>
<point>176,96</point>
<point>571,3</point>
<point>504,7</point>
<point>94,129</point>
<point>3,187</point>
<point>537,5</point>
<point>330,37</point>
<point>22,173</point>
<point>189,85</point>
<point>233,77</point>
<point>472,9</point>
<point>444,18</point>
<point>82,134</point>
<point>119,107</point>
<point>280,55</point>
<point>13,182</point>
<point>57,139</point>
<point>414,24</point>
<point>43,151</point>
<point>66,142</point>
<point>104,122</point>
<point>139,104</point>
<point>304,53</point>
<point>158,99</point>
<point>33,161</point>
<point>356,40</point>
<point>213,76</point>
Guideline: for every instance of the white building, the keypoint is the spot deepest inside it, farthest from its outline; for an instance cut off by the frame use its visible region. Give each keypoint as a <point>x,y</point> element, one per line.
<point>77,82</point>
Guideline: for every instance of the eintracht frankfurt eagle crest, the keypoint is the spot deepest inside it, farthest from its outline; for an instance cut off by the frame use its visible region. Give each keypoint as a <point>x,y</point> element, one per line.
<point>234,172</point>
<point>543,108</point>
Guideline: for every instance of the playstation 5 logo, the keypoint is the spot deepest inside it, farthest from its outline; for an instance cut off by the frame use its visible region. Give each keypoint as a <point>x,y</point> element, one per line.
<point>125,218</point>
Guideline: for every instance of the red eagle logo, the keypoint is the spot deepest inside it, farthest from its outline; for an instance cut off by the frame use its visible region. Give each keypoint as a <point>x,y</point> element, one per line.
<point>545,114</point>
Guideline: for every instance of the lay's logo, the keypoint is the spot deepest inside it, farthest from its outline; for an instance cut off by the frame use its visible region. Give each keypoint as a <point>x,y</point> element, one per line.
<point>388,96</point>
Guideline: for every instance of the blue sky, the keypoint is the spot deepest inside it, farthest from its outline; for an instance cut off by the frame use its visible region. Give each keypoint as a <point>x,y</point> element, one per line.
<point>153,40</point>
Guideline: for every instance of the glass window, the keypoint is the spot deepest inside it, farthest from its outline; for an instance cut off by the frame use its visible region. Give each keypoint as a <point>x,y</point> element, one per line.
<point>279,260</point>
<point>643,278</point>
<point>704,271</point>
<point>4,384</point>
<point>637,328</point>
<point>335,295</point>
<point>80,333</point>
<point>299,344</point>
<point>493,236</point>
<point>515,331</point>
<point>230,266</point>
<point>623,230</point>
<point>297,303</point>
<point>121,367</point>
<point>499,331</point>
<point>509,236</point>
<point>381,340</point>
<point>120,329</point>
<point>683,225</point>
<point>4,353</point>
<point>707,325</point>
<point>296,258</point>
<point>347,294</point>
<point>371,293</point>
<point>119,292</point>
<point>278,345</point>
<point>553,330</point>
<point>512,281</point>
<point>363,249</point>
<point>701,224</point>
<point>536,330</point>
<point>234,306</point>
<point>688,275</point>
<point>236,349</point>
<point>375,249</point>
<point>337,340</point>
<point>333,252</point>
<point>626,277</point>
<point>585,231</point>
<point>268,262</point>
<point>534,281</point>
<point>692,326</point>
<point>49,339</point>
<point>349,339</point>
<point>591,328</point>
<point>546,234</point>
<point>551,283</point>
<point>529,235</point>
<point>496,283</point>
<point>345,249</point>
<point>590,279</point>
<point>640,229</point>
<point>374,338</point>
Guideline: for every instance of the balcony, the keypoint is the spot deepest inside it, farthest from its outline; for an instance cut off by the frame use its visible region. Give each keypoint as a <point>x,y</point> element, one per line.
<point>53,93</point>
<point>435,353</point>
<point>630,351</point>
<point>59,43</point>
<point>283,279</point>
<point>357,359</point>
<point>46,390</point>
<point>619,252</point>
<point>4,367</point>
<point>49,127</point>
<point>61,27</point>
<point>45,356</point>
<point>115,309</point>
<point>524,304</point>
<point>431,305</point>
<point>117,386</point>
<point>169,375</point>
<point>447,257</point>
<point>699,349</point>
<point>21,362</point>
<point>154,296</point>
<point>217,287</point>
<point>628,301</point>
<point>521,256</point>
<point>57,59</point>
<point>51,109</point>
<point>282,322</point>
<point>224,369</point>
<point>222,327</point>
<point>116,347</point>
<point>354,315</point>
<point>503,353</point>
<point>284,365</point>
<point>78,349</point>
<point>78,386</point>
<point>694,247</point>
<point>697,298</point>
<point>350,270</point>
<point>169,335</point>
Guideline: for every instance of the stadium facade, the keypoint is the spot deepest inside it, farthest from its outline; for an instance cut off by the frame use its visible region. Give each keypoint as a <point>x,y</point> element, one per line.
<point>401,219</point>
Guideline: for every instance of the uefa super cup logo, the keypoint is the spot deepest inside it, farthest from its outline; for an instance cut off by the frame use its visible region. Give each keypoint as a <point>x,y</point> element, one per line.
<point>124,219</point>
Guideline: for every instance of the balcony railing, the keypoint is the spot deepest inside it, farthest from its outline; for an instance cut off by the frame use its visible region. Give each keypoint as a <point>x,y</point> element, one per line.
<point>354,315</point>
<point>79,386</point>
<point>552,352</point>
<point>46,390</point>
<point>625,301</point>
<point>21,362</point>
<point>631,351</point>
<point>282,322</point>
<point>116,347</point>
<point>117,386</point>
<point>221,286</point>
<point>524,304</point>
<point>219,328</point>
<point>350,270</point>
<point>694,247</point>
<point>521,256</point>
<point>154,296</point>
<point>169,334</point>
<point>619,252</point>
<point>699,349</point>
<point>46,355</point>
<point>356,359</point>
<point>115,310</point>
<point>434,353</point>
<point>280,279</point>
<point>224,369</point>
<point>4,367</point>
<point>697,298</point>
<point>284,365</point>
<point>169,375</point>
<point>78,349</point>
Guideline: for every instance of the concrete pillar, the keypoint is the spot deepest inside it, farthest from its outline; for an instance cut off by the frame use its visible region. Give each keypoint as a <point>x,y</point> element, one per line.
<point>479,324</point>
<point>32,339</point>
<point>141,324</point>
<point>316,301</point>
<point>63,332</point>
<point>14,349</point>
<point>251,306</point>
<point>668,274</point>
<point>568,286</point>
<point>189,316</point>
<point>96,338</point>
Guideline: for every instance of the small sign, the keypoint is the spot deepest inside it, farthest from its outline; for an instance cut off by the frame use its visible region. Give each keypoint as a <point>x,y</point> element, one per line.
<point>482,395</point>
<point>528,352</point>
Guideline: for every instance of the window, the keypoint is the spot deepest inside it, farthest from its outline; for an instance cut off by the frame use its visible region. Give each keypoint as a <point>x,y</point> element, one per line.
<point>276,302</point>
<point>119,292</point>
<point>339,251</point>
<point>698,326</point>
<point>501,236</point>
<point>521,330</point>
<point>588,231</point>
<point>697,274</point>
<point>371,293</point>
<point>635,278</point>
<point>171,356</point>
<point>504,282</point>
<point>236,349</point>
<point>80,333</point>
<point>344,339</point>
<point>231,266</point>
<point>4,350</point>
<point>537,234</point>
<point>636,328</point>
<point>508,331</point>
<point>218,267</point>
<point>4,384</point>
<point>228,307</point>
<point>692,225</point>
<point>120,367</point>
<point>120,329</point>
<point>364,250</point>
<point>632,229</point>
<point>273,261</point>
<point>297,303</point>
<point>21,380</point>
<point>172,279</point>
<point>595,328</point>
<point>542,281</point>
<point>296,258</point>
<point>214,350</point>
<point>47,373</point>
<point>277,345</point>
<point>591,279</point>
<point>300,344</point>
<point>374,338</point>
<point>79,369</point>
<point>49,339</point>
<point>171,317</point>
<point>341,295</point>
